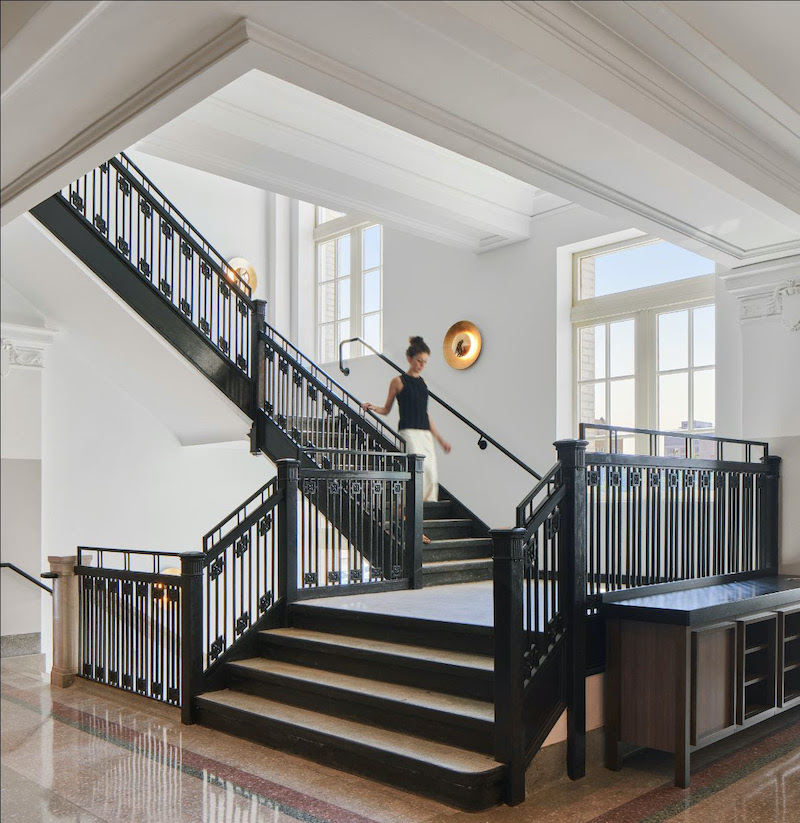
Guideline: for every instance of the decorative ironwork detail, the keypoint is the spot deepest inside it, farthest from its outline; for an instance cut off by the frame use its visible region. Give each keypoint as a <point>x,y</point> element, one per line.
<point>241,362</point>
<point>397,487</point>
<point>309,487</point>
<point>268,408</point>
<point>173,695</point>
<point>654,478</point>
<point>356,576</point>
<point>614,477</point>
<point>705,481</point>
<point>719,480</point>
<point>127,587</point>
<point>205,326</point>
<point>205,269</point>
<point>265,524</point>
<point>100,672</point>
<point>311,391</point>
<point>327,406</point>
<point>672,478</point>
<point>145,208</point>
<point>88,670</point>
<point>297,379</point>
<point>123,246</point>
<point>552,525</point>
<point>282,421</point>
<point>141,685</point>
<point>283,365</point>
<point>397,571</point>
<point>242,545</point>
<point>186,307</point>
<point>310,579</point>
<point>296,434</point>
<point>113,677</point>
<point>166,288</point>
<point>761,481</point>
<point>187,250</point>
<point>377,488</point>
<point>166,229</point>
<point>593,477</point>
<point>688,479</point>
<point>243,623</point>
<point>76,200</point>
<point>334,486</point>
<point>224,289</point>
<point>326,463</point>
<point>265,601</point>
<point>124,186</point>
<point>100,224</point>
<point>532,550</point>
<point>635,478</point>
<point>141,590</point>
<point>224,345</point>
<point>215,569</point>
<point>127,681</point>
<point>144,267</point>
<point>355,487</point>
<point>333,577</point>
<point>104,168</point>
<point>156,688</point>
<point>375,572</point>
<point>269,354</point>
<point>241,307</point>
<point>747,482</point>
<point>216,648</point>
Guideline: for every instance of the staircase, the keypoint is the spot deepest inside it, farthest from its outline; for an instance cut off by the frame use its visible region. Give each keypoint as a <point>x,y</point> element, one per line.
<point>404,701</point>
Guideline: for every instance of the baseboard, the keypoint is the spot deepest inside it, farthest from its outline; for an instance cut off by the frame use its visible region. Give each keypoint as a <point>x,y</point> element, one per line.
<point>16,645</point>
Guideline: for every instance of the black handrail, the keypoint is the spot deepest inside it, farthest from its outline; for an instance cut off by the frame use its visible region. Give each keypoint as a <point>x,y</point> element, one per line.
<point>26,576</point>
<point>483,438</point>
<point>688,437</point>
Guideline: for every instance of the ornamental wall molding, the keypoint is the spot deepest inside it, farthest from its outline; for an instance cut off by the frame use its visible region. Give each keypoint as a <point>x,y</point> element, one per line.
<point>766,290</point>
<point>24,346</point>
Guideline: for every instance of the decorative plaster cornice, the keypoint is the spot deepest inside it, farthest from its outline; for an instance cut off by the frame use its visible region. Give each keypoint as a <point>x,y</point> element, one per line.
<point>761,288</point>
<point>24,346</point>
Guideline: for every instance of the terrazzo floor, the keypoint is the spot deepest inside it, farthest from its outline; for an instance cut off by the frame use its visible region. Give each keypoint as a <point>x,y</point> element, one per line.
<point>90,753</point>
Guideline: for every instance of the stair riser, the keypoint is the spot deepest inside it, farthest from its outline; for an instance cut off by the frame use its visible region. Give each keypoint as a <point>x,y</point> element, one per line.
<point>442,727</point>
<point>432,635</point>
<point>471,793</point>
<point>438,677</point>
<point>437,510</point>
<point>436,554</point>
<point>447,531</point>
<point>437,578</point>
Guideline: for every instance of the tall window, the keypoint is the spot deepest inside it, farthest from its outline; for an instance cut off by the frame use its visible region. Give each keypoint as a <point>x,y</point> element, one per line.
<point>349,283</point>
<point>644,339</point>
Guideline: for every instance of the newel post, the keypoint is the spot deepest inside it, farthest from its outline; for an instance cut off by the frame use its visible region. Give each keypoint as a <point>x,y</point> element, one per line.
<point>414,516</point>
<point>288,480</point>
<point>258,369</point>
<point>509,647</point>
<point>65,620</point>
<point>572,584</point>
<point>770,514</point>
<point>192,565</point>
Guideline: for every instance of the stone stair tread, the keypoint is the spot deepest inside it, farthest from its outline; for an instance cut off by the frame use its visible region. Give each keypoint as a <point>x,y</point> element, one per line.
<point>410,695</point>
<point>447,521</point>
<point>454,565</point>
<point>428,751</point>
<point>480,662</point>
<point>443,542</point>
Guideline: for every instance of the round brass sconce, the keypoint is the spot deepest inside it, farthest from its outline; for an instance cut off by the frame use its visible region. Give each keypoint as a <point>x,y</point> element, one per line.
<point>462,344</point>
<point>244,268</point>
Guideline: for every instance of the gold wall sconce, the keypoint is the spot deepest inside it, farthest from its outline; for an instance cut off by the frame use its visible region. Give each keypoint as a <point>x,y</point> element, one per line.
<point>244,268</point>
<point>462,344</point>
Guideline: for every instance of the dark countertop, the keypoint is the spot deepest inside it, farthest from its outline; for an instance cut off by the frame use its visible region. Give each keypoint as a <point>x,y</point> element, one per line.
<point>699,604</point>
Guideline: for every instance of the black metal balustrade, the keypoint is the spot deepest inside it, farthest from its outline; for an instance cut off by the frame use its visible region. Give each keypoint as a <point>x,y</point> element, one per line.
<point>539,614</point>
<point>130,621</point>
<point>654,518</point>
<point>314,411</point>
<point>131,215</point>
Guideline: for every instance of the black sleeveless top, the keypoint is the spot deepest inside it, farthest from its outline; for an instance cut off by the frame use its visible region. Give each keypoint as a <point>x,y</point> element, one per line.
<point>413,403</point>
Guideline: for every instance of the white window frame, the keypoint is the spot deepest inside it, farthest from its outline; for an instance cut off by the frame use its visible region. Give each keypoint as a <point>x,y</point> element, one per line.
<point>354,225</point>
<point>643,305</point>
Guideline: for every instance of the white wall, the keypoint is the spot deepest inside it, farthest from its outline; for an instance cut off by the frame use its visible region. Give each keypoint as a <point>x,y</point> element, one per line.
<point>521,380</point>
<point>114,476</point>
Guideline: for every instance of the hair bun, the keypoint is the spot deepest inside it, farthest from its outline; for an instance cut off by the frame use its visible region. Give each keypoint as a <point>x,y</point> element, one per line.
<point>416,339</point>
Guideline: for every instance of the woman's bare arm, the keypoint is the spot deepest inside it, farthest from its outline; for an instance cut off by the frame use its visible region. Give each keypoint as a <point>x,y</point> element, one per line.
<point>442,442</point>
<point>395,387</point>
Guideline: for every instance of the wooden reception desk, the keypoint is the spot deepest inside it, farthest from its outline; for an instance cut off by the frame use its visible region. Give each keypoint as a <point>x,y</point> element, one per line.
<point>690,663</point>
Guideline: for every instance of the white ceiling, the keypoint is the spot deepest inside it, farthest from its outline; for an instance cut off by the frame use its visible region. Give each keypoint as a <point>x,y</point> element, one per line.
<point>682,118</point>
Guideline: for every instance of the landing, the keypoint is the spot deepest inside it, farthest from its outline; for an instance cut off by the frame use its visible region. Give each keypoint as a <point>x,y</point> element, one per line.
<point>469,604</point>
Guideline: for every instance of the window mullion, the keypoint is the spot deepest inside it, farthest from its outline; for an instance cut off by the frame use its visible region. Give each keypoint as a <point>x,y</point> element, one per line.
<point>356,316</point>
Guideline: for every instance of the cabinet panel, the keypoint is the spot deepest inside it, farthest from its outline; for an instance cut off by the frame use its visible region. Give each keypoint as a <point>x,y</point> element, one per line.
<point>713,699</point>
<point>757,662</point>
<point>789,657</point>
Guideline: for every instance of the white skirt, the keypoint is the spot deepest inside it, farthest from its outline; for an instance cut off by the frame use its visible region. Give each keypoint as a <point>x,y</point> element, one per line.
<point>420,441</point>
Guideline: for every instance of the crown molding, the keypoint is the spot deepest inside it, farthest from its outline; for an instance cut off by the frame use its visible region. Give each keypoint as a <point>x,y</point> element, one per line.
<point>24,346</point>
